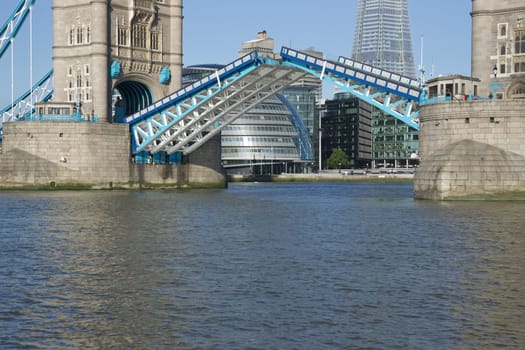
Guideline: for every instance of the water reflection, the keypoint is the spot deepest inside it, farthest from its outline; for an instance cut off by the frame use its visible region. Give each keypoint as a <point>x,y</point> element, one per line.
<point>308,266</point>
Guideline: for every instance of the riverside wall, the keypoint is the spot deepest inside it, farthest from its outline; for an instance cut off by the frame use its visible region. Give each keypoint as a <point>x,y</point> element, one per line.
<point>471,149</point>
<point>94,155</point>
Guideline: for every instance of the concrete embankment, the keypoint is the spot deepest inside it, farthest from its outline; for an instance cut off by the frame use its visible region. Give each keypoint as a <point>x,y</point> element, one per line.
<point>327,177</point>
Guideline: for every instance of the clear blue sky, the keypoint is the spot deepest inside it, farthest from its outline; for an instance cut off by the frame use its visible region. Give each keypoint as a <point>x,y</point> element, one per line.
<point>214,31</point>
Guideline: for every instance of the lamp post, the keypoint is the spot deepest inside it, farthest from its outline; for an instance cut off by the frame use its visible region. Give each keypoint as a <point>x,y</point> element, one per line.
<point>320,140</point>
<point>495,85</point>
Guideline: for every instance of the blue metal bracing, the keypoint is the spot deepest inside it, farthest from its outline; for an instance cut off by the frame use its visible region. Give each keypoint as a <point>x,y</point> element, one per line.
<point>184,120</point>
<point>390,92</point>
<point>11,27</point>
<point>24,106</point>
<point>303,140</point>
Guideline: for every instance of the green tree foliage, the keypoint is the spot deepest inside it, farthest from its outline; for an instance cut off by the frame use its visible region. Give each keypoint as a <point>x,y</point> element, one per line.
<point>338,159</point>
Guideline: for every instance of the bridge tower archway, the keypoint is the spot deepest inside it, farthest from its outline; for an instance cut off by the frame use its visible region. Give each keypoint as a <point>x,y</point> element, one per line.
<point>133,93</point>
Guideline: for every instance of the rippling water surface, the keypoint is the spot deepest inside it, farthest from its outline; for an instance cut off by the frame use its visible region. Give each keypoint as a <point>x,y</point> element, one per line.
<point>260,266</point>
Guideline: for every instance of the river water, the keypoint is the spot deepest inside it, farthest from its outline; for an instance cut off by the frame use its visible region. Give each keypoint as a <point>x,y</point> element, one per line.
<point>260,266</point>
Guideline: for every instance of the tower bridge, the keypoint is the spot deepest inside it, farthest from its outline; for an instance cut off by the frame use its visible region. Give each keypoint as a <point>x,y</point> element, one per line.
<point>110,55</point>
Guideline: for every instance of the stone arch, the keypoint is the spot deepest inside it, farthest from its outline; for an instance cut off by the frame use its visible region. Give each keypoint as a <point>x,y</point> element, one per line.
<point>517,90</point>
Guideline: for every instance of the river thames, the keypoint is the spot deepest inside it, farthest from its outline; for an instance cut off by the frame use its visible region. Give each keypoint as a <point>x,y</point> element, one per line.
<point>350,265</point>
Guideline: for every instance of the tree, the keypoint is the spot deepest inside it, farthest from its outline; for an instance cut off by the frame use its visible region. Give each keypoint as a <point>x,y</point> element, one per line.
<point>338,159</point>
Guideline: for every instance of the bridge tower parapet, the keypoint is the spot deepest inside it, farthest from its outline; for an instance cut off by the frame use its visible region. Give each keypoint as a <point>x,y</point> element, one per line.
<point>471,149</point>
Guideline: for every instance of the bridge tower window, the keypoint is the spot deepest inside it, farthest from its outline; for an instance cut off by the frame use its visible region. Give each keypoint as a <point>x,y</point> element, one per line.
<point>123,34</point>
<point>502,32</point>
<point>140,35</point>
<point>72,36</point>
<point>80,35</point>
<point>519,42</point>
<point>155,41</point>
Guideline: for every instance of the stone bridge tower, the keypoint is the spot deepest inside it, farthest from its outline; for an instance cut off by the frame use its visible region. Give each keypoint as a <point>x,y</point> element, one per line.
<point>498,47</point>
<point>108,48</point>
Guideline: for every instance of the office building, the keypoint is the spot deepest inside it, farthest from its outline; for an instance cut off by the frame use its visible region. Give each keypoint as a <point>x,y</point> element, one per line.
<point>304,94</point>
<point>382,35</point>
<point>346,125</point>
<point>383,39</point>
<point>271,138</point>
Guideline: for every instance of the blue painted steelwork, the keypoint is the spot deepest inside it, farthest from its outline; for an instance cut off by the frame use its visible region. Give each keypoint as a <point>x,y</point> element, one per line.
<point>191,116</point>
<point>115,69</point>
<point>173,108</point>
<point>165,75</point>
<point>22,107</point>
<point>212,80</point>
<point>303,141</point>
<point>382,79</point>
<point>59,118</point>
<point>158,158</point>
<point>13,24</point>
<point>390,92</point>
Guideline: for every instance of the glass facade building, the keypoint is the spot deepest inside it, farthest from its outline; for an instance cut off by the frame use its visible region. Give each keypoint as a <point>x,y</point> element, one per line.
<point>383,39</point>
<point>346,125</point>
<point>269,139</point>
<point>382,35</point>
<point>304,96</point>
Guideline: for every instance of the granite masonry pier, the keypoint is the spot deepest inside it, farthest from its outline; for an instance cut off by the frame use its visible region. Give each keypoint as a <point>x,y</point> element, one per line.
<point>471,149</point>
<point>95,155</point>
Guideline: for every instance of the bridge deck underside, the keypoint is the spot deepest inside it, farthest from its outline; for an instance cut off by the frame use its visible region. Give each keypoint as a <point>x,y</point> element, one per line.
<point>186,125</point>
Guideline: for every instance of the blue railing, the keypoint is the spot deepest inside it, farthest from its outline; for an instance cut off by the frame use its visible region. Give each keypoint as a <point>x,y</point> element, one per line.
<point>59,118</point>
<point>359,72</point>
<point>448,99</point>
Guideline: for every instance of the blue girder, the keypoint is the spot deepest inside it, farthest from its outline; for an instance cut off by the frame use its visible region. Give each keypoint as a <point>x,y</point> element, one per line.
<point>24,106</point>
<point>13,24</point>
<point>392,93</point>
<point>192,115</point>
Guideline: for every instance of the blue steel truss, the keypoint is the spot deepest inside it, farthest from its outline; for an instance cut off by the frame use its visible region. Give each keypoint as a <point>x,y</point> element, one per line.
<point>11,27</point>
<point>184,120</point>
<point>24,106</point>
<point>392,93</point>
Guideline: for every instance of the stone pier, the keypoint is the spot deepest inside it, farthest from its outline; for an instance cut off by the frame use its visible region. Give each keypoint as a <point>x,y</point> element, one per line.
<point>473,149</point>
<point>95,155</point>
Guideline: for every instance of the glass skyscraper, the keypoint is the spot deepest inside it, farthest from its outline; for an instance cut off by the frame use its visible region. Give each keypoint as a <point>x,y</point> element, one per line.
<point>382,35</point>
<point>383,39</point>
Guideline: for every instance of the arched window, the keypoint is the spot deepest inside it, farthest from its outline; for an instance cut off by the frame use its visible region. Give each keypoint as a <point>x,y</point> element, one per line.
<point>518,91</point>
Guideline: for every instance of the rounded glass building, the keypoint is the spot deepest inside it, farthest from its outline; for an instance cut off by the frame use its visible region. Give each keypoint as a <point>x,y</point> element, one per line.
<point>269,139</point>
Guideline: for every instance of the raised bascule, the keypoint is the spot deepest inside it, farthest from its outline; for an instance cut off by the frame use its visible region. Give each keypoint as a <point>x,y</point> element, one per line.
<point>112,112</point>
